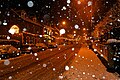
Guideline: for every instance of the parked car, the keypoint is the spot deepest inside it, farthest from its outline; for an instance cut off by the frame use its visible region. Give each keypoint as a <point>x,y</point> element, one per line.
<point>41,46</point>
<point>52,45</point>
<point>29,48</point>
<point>7,51</point>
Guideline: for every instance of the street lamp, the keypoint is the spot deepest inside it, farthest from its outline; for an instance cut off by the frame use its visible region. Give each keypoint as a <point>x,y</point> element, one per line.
<point>84,29</point>
<point>63,22</point>
<point>14,29</point>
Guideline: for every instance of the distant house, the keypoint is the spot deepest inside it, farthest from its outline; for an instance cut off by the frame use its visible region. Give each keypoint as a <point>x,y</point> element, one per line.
<point>29,27</point>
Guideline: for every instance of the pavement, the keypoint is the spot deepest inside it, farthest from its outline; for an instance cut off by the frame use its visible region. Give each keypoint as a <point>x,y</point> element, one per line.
<point>87,66</point>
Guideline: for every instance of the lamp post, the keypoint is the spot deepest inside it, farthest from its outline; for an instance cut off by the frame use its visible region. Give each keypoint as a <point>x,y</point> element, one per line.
<point>14,29</point>
<point>62,31</point>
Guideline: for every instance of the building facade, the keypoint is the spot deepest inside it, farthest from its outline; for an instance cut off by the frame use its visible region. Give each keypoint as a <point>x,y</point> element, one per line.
<point>30,30</point>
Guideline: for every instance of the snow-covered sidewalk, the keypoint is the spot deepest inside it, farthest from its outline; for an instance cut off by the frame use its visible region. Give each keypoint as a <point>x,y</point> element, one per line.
<point>87,66</point>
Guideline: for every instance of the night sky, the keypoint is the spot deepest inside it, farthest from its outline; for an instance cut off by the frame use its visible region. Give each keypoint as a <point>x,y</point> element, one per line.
<point>74,12</point>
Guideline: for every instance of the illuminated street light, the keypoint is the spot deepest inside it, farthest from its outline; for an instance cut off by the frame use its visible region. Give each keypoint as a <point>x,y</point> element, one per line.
<point>14,29</point>
<point>84,29</point>
<point>63,22</point>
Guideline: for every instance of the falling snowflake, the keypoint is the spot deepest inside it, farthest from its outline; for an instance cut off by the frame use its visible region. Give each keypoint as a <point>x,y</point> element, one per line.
<point>88,73</point>
<point>93,17</point>
<point>8,37</point>
<point>76,26</point>
<point>24,29</point>
<point>71,66</point>
<point>60,77</point>
<point>1,5</point>
<point>6,62</point>
<point>75,15</point>
<point>68,1</point>
<point>83,57</point>
<point>30,4</point>
<point>37,58</point>
<point>68,4</point>
<point>11,66</point>
<point>4,23</point>
<point>66,68</point>
<point>53,69</point>
<point>79,2</point>
<point>88,65</point>
<point>83,72</point>
<point>93,75</point>
<point>73,49</point>
<point>89,3</point>
<point>64,57</point>
<point>41,21</point>
<point>99,64</point>
<point>114,59</point>
<point>64,8</point>
<point>78,75</point>
<point>118,20</point>
<point>44,65</point>
<point>53,17</point>
<point>76,61</point>
<point>59,48</point>
<point>29,48</point>
<point>103,77</point>
<point>40,36</point>
<point>46,6</point>
<point>101,55</point>
<point>19,5</point>
<point>107,2</point>
<point>30,72</point>
<point>91,60</point>
<point>75,54</point>
<point>8,14</point>
<point>50,49</point>
<point>95,50</point>
<point>10,77</point>
<point>35,54</point>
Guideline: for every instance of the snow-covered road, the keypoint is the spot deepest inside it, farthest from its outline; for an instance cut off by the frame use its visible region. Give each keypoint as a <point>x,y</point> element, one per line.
<point>71,62</point>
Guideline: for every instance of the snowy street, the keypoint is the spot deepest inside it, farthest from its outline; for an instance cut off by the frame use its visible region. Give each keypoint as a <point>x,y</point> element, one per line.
<point>65,62</point>
<point>59,39</point>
